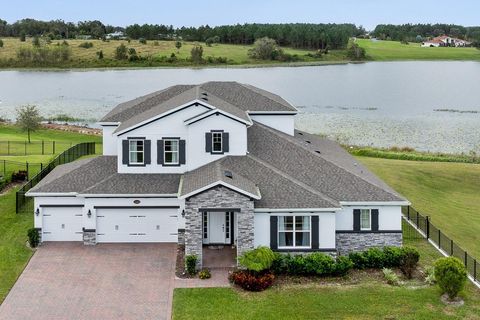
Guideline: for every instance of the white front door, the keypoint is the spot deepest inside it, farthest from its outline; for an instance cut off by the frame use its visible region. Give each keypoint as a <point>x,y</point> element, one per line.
<point>217,227</point>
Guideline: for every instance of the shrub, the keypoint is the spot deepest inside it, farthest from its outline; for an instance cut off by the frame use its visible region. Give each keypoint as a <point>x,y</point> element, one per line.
<point>100,54</point>
<point>33,237</point>
<point>430,275</point>
<point>264,49</point>
<point>22,36</point>
<point>450,275</point>
<point>36,41</point>
<point>86,45</point>
<point>196,54</point>
<point>121,52</point>
<point>409,261</point>
<point>191,264</point>
<point>392,256</point>
<point>1,43</point>
<point>391,277</point>
<point>258,259</point>
<point>156,43</point>
<point>374,258</point>
<point>355,52</point>
<point>132,54</point>
<point>342,266</point>
<point>252,282</point>
<point>142,41</point>
<point>204,274</point>
<point>358,260</point>
<point>319,264</point>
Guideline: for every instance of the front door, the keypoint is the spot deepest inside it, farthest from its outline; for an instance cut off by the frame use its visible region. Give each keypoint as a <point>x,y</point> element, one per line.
<point>217,227</point>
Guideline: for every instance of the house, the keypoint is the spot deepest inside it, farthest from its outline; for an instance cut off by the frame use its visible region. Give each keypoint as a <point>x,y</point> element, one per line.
<point>218,163</point>
<point>446,41</point>
<point>115,35</point>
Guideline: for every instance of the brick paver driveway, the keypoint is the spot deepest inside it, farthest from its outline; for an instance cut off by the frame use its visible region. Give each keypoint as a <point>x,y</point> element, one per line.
<point>107,281</point>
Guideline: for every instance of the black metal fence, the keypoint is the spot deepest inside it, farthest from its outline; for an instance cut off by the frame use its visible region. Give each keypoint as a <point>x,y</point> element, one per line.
<point>25,204</point>
<point>427,230</point>
<point>23,148</point>
<point>7,168</point>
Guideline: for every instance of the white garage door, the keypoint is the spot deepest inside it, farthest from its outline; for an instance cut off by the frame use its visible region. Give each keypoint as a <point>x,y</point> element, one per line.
<point>62,224</point>
<point>137,224</point>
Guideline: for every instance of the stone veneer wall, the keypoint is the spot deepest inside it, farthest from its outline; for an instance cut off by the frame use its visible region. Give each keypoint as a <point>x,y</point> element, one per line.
<point>181,236</point>
<point>218,197</point>
<point>349,242</point>
<point>89,237</point>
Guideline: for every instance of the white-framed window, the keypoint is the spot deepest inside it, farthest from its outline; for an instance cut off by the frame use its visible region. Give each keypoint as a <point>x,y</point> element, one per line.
<point>205,225</point>
<point>136,151</point>
<point>217,142</point>
<point>294,231</point>
<point>170,151</point>
<point>365,219</point>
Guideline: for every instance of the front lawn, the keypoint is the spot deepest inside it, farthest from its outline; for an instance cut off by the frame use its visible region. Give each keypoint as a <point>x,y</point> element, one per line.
<point>369,299</point>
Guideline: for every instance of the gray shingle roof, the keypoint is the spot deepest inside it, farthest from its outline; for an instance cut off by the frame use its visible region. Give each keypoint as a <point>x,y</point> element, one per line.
<point>215,172</point>
<point>331,175</point>
<point>231,97</point>
<point>99,176</point>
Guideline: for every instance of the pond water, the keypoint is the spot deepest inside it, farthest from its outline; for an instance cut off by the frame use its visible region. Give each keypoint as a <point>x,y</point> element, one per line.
<point>430,106</point>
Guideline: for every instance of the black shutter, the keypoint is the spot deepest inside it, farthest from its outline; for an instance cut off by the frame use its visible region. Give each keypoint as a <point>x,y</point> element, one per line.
<point>160,151</point>
<point>208,142</point>
<point>315,236</point>
<point>125,152</point>
<point>374,213</point>
<point>273,232</point>
<point>182,152</point>
<point>226,143</point>
<point>356,219</point>
<point>148,151</point>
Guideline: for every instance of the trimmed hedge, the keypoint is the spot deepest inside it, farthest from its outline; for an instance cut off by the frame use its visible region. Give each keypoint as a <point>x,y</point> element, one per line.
<point>316,263</point>
<point>388,257</point>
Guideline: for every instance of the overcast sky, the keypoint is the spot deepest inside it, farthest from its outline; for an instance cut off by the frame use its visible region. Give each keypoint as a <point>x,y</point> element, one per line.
<point>368,13</point>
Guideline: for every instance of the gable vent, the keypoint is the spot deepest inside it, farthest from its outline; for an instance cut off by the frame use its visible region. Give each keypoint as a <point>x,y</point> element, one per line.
<point>300,133</point>
<point>317,151</point>
<point>308,141</point>
<point>205,98</point>
<point>228,174</point>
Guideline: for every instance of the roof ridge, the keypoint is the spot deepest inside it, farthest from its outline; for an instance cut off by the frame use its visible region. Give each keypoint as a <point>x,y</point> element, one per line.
<point>301,184</point>
<point>296,142</point>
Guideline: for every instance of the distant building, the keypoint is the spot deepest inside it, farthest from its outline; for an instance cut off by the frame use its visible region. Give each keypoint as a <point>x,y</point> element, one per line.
<point>83,37</point>
<point>116,35</point>
<point>446,41</point>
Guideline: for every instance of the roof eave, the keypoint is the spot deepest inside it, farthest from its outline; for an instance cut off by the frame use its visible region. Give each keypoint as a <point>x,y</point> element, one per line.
<point>226,185</point>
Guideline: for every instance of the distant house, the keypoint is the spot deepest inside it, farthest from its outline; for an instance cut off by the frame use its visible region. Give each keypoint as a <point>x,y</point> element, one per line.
<point>446,41</point>
<point>116,35</point>
<point>83,37</point>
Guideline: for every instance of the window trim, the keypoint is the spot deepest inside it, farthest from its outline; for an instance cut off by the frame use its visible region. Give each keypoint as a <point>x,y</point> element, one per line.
<point>294,231</point>
<point>130,162</point>
<point>165,163</point>
<point>369,217</point>
<point>213,142</point>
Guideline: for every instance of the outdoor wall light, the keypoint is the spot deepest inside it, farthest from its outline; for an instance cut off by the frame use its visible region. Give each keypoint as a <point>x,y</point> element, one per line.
<point>89,213</point>
<point>37,212</point>
<point>183,213</point>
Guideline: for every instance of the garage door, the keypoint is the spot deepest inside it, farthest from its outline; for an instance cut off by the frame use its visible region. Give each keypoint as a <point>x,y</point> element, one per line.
<point>137,225</point>
<point>62,224</point>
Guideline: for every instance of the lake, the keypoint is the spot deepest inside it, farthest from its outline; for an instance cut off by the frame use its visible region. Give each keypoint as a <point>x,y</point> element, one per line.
<point>430,106</point>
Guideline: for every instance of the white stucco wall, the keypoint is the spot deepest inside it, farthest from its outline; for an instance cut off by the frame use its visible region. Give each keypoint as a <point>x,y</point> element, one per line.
<point>326,228</point>
<point>389,217</point>
<point>284,123</point>
<point>109,141</point>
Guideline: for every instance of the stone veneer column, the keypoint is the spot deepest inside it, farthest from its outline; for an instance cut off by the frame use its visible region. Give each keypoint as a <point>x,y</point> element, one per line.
<point>89,237</point>
<point>218,198</point>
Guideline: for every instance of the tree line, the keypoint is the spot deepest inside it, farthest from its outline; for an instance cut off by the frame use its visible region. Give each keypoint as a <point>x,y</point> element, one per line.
<point>420,32</point>
<point>297,35</point>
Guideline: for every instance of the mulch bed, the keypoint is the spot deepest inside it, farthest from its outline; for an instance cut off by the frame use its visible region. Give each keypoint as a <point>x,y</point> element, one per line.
<point>180,264</point>
<point>10,186</point>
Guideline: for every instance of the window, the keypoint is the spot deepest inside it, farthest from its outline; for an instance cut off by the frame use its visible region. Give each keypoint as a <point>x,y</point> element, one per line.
<point>217,142</point>
<point>170,149</point>
<point>205,225</point>
<point>365,219</point>
<point>227,225</point>
<point>136,151</point>
<point>294,231</point>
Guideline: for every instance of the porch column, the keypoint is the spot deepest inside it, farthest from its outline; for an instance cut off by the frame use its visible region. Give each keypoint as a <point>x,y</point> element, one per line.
<point>193,231</point>
<point>245,225</point>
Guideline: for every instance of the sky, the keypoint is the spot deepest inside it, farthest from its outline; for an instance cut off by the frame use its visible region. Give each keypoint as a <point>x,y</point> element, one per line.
<point>368,13</point>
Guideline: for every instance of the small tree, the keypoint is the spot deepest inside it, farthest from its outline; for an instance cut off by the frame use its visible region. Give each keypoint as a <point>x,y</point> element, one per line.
<point>132,54</point>
<point>121,52</point>
<point>264,49</point>
<point>22,36</point>
<point>355,52</point>
<point>450,275</point>
<point>100,55</point>
<point>142,40</point>
<point>36,41</point>
<point>28,118</point>
<point>1,43</point>
<point>196,54</point>
<point>178,45</point>
<point>409,260</point>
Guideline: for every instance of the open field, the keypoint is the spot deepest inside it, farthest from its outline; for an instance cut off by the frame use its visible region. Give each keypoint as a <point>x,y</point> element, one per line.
<point>447,192</point>
<point>153,51</point>
<point>367,299</point>
<point>394,50</point>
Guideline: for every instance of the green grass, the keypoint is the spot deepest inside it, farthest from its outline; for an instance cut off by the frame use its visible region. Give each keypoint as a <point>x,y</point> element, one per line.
<point>87,58</point>
<point>370,299</point>
<point>14,133</point>
<point>447,192</point>
<point>394,50</point>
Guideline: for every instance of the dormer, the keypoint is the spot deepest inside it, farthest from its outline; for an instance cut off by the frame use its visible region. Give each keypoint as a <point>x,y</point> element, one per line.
<point>184,127</point>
